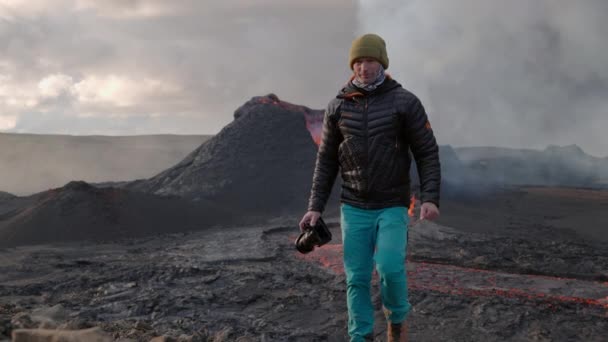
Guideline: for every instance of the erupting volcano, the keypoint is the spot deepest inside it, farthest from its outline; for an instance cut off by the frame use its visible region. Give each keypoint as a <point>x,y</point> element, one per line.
<point>314,118</point>
<point>261,163</point>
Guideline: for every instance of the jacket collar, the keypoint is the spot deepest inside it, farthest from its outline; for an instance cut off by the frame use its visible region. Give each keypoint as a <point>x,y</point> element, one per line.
<point>350,90</point>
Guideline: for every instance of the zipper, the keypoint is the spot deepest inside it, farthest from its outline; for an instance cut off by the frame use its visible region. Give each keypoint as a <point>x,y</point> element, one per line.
<point>366,137</point>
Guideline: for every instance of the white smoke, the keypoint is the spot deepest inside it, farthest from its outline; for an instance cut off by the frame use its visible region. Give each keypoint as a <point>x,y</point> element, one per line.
<point>517,73</point>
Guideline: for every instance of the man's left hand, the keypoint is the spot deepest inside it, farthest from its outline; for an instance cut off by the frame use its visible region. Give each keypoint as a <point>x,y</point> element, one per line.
<point>429,211</point>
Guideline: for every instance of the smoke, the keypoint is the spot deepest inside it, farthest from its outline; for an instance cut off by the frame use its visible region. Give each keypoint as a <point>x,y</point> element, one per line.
<point>515,74</point>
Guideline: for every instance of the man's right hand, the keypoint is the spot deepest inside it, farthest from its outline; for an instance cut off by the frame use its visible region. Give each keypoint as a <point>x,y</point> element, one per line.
<point>311,217</point>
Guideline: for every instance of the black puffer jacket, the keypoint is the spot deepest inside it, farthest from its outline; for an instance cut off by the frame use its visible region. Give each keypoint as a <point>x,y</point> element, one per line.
<point>367,136</point>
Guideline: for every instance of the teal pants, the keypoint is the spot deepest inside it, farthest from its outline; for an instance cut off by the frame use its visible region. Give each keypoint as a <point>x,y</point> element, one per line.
<point>374,236</point>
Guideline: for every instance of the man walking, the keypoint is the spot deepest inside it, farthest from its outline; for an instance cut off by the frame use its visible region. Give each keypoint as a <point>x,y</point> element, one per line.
<point>368,130</point>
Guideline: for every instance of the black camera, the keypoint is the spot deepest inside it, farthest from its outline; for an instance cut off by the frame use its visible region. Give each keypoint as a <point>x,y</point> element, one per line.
<point>313,236</point>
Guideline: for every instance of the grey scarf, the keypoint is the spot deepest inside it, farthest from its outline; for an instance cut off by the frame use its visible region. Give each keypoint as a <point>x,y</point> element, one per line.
<point>372,86</point>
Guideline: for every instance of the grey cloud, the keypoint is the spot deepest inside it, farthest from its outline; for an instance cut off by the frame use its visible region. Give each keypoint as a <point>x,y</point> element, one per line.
<point>219,55</point>
<point>135,124</point>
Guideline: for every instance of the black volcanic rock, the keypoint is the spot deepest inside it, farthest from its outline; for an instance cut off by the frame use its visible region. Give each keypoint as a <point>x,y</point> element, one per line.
<point>261,163</point>
<point>80,211</point>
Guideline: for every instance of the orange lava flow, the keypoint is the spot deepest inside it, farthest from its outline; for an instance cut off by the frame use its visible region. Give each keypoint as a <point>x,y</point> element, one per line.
<point>410,211</point>
<point>314,119</point>
<point>314,124</point>
<point>471,282</point>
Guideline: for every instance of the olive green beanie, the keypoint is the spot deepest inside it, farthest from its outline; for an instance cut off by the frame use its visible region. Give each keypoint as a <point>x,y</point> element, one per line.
<point>369,45</point>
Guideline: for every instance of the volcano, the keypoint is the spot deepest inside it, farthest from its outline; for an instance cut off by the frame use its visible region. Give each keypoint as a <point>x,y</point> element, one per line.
<point>261,163</point>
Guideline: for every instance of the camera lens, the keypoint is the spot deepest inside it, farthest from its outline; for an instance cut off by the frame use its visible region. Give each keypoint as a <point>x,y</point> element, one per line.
<point>304,244</point>
<point>312,237</point>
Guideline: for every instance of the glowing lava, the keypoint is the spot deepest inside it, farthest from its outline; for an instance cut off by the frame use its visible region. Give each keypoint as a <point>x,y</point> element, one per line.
<point>462,281</point>
<point>314,124</point>
<point>313,118</point>
<point>410,211</point>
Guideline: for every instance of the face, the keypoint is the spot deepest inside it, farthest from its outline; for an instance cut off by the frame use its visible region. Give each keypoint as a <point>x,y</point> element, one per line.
<point>366,69</point>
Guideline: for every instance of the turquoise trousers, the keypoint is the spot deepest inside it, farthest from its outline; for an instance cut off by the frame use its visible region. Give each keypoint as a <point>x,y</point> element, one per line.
<point>374,236</point>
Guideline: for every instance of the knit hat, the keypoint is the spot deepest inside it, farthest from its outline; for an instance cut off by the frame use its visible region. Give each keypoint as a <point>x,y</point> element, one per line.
<point>369,45</point>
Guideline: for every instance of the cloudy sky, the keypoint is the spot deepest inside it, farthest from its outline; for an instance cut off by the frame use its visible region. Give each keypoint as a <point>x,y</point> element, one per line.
<point>519,73</point>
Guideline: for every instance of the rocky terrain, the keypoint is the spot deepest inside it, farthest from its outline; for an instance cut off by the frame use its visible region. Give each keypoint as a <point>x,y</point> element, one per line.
<point>249,284</point>
<point>203,250</point>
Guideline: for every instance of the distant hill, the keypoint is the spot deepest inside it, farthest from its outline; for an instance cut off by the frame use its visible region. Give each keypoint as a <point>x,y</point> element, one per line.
<point>31,163</point>
<point>80,211</point>
<point>554,166</point>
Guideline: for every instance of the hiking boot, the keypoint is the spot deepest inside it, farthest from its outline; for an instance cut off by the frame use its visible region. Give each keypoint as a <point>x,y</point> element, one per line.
<point>397,332</point>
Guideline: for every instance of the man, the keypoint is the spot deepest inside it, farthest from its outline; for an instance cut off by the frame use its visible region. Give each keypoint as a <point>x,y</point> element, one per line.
<point>368,130</point>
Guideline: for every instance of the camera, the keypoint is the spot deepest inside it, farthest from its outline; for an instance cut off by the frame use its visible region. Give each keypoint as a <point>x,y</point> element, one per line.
<point>313,236</point>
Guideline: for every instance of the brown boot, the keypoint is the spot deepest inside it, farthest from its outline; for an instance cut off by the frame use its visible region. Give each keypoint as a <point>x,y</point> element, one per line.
<point>397,332</point>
